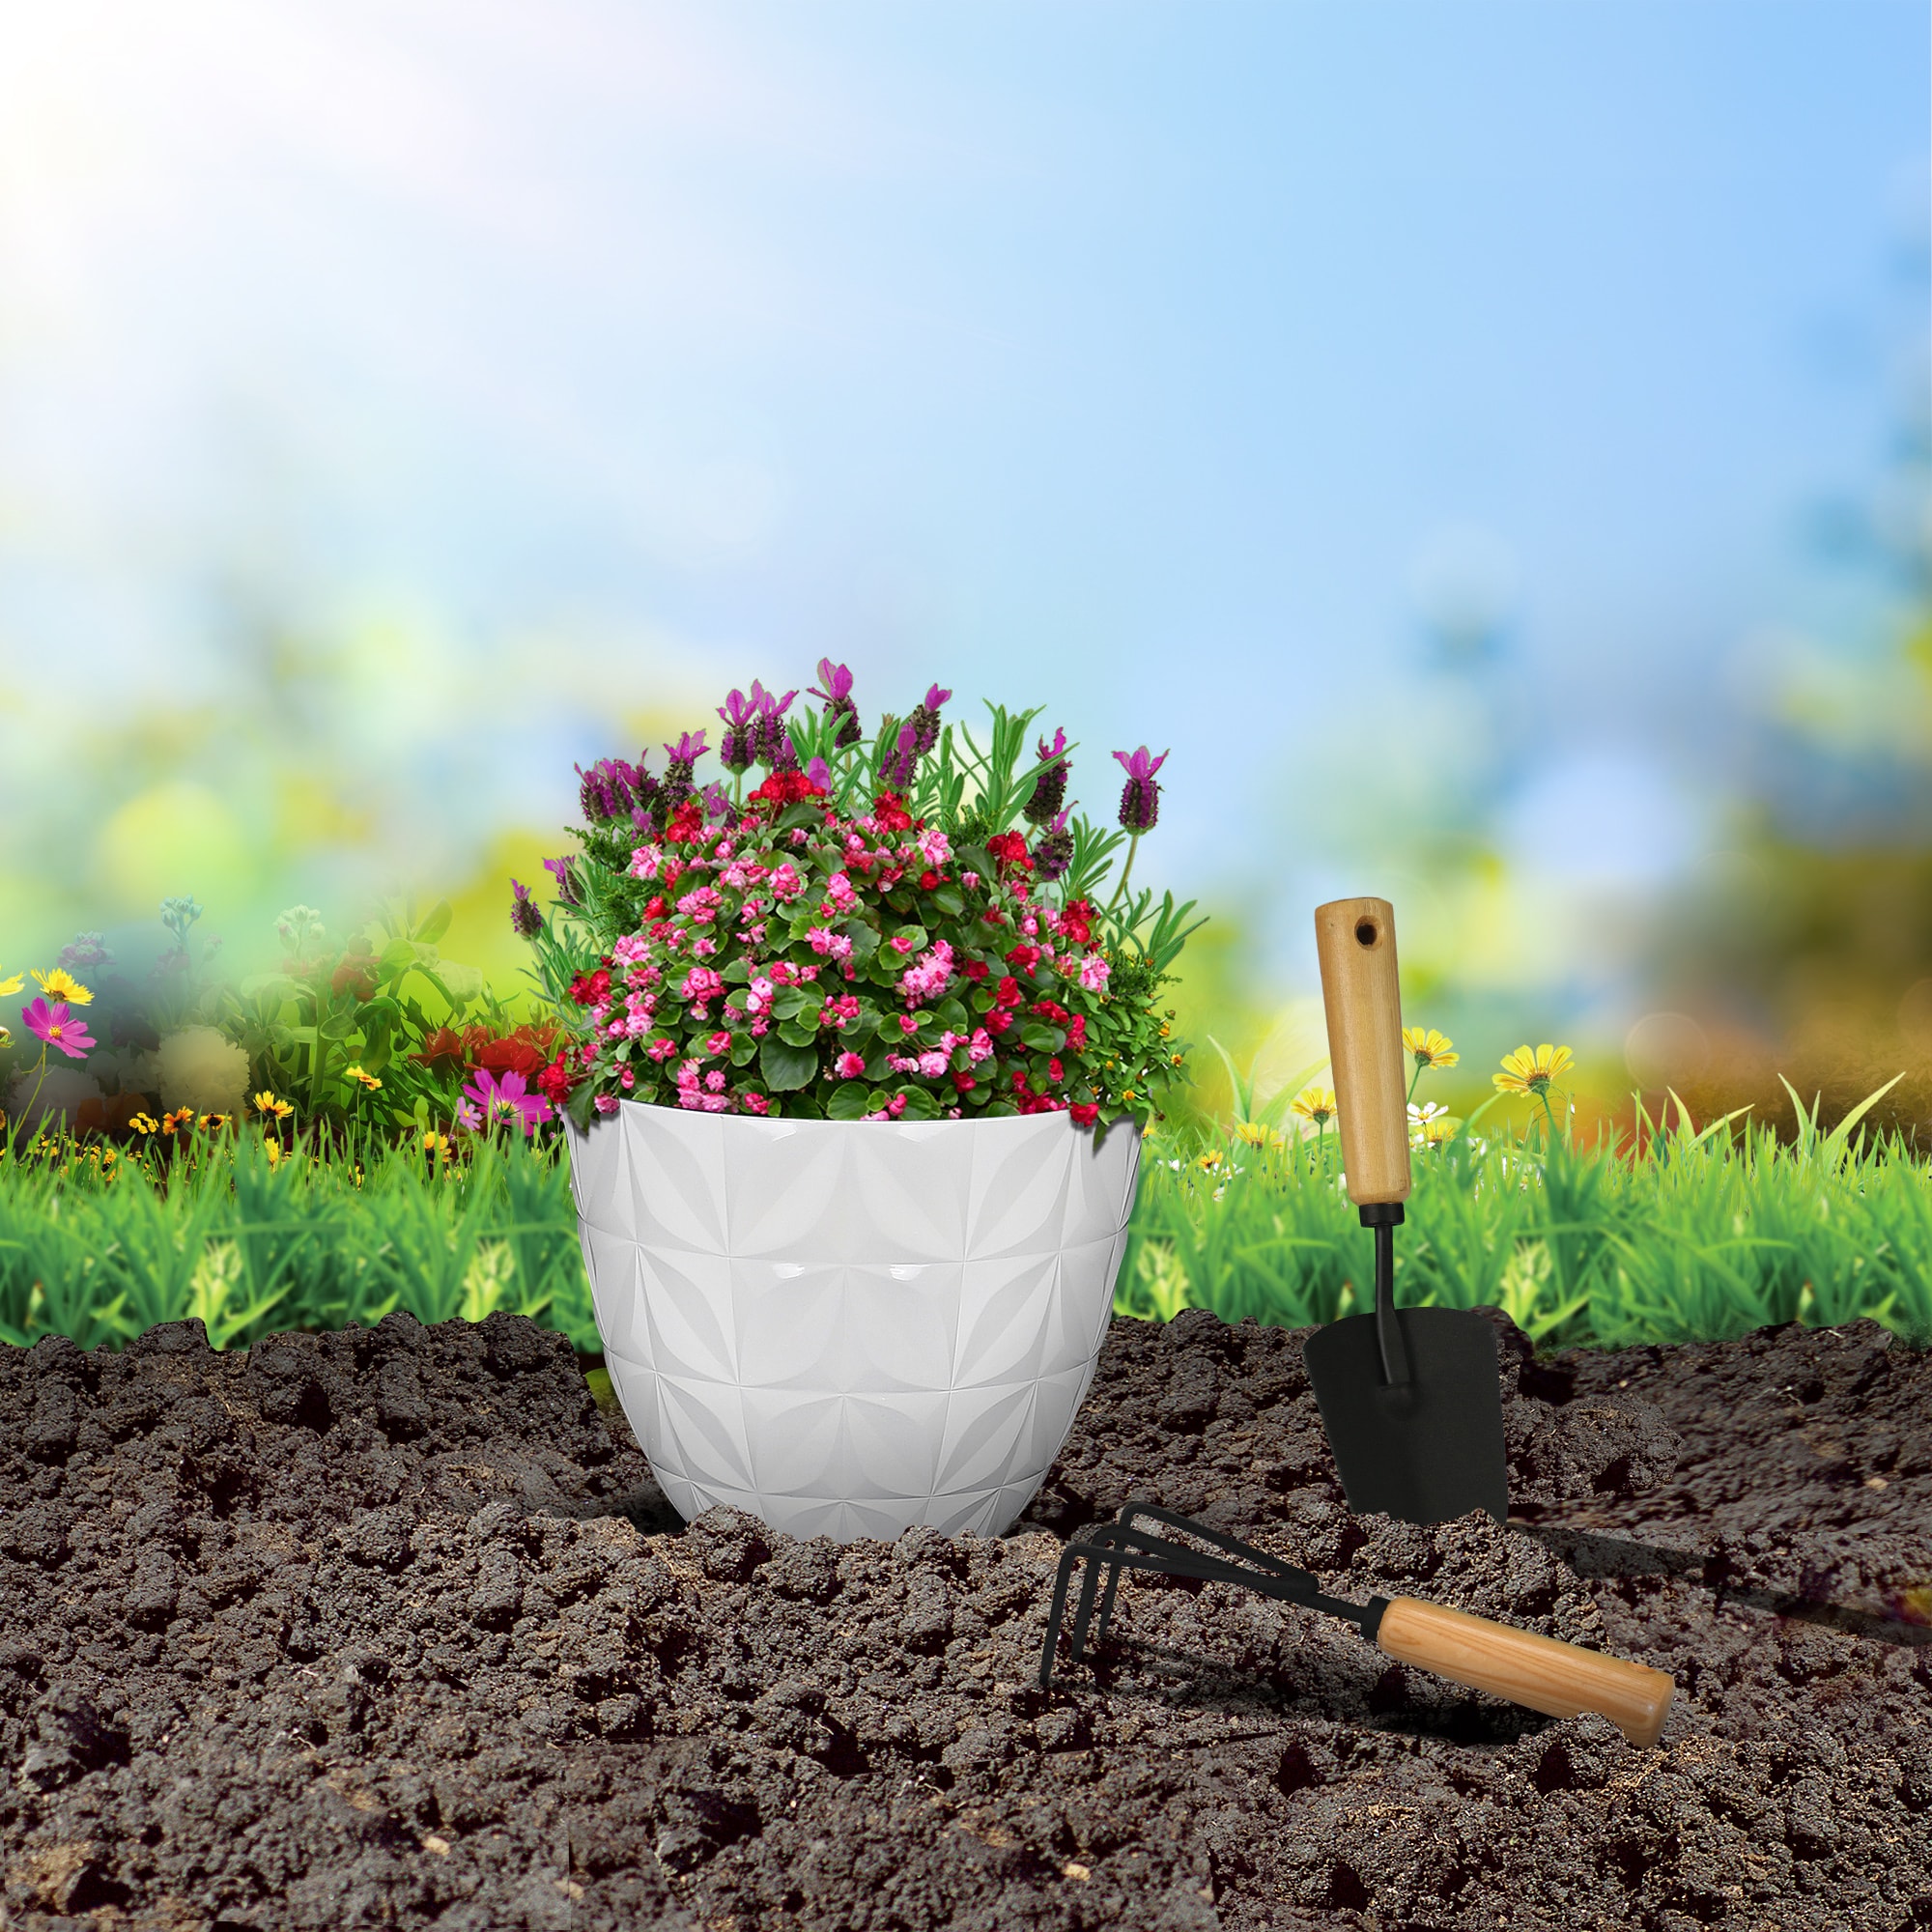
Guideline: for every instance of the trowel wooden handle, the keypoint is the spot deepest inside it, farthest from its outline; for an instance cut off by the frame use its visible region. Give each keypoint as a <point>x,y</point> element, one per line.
<point>1535,1672</point>
<point>1354,940</point>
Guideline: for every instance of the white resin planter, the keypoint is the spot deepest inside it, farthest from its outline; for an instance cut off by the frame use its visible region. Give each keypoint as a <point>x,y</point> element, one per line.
<point>848,1327</point>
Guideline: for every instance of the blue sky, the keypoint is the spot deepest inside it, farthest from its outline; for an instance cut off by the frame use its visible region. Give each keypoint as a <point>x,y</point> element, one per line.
<point>1158,364</point>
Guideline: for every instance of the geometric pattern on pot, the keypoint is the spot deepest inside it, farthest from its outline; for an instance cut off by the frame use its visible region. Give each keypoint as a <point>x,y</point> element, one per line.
<point>848,1327</point>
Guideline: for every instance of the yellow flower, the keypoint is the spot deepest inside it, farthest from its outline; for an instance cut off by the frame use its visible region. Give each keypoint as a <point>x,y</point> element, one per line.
<point>213,1123</point>
<point>1209,1160</point>
<point>1531,1072</point>
<point>275,1156</point>
<point>265,1104</point>
<point>1255,1135</point>
<point>1428,1048</point>
<point>436,1144</point>
<point>362,1078</point>
<point>60,984</point>
<point>181,1117</point>
<point>1316,1104</point>
<point>11,985</point>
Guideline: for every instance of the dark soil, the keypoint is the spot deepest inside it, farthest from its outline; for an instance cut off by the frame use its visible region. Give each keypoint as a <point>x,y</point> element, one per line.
<point>388,1628</point>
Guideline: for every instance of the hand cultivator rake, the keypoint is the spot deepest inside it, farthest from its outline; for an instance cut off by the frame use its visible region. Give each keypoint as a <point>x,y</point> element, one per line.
<point>1538,1672</point>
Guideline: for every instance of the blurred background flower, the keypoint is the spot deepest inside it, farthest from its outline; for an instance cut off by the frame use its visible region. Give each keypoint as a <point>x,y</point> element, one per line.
<point>1489,444</point>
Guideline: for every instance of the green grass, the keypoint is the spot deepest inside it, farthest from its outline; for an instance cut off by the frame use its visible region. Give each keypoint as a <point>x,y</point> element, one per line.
<point>1704,1239</point>
<point>1707,1237</point>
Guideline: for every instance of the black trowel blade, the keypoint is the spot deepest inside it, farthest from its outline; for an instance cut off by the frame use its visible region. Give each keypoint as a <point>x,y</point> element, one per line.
<point>1425,1450</point>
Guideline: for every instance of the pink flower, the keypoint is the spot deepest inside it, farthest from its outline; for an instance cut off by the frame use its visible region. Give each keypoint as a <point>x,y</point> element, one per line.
<point>970,880</point>
<point>757,995</point>
<point>839,893</point>
<point>644,861</point>
<point>702,982</point>
<point>607,1103</point>
<point>56,1027</point>
<point>849,1065</point>
<point>785,881</point>
<point>930,977</point>
<point>1093,970</point>
<point>934,845</point>
<point>719,1042</point>
<point>661,1049</point>
<point>933,1064</point>
<point>489,1098</point>
<point>631,948</point>
<point>981,1046</point>
<point>754,1104</point>
<point>715,1080</point>
<point>700,903</point>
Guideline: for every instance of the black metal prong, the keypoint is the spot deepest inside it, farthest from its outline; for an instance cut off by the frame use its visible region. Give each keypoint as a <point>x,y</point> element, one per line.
<point>1084,1616</point>
<point>1068,1558</point>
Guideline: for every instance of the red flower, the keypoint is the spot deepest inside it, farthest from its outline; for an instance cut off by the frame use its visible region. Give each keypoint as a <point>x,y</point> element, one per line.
<point>929,881</point>
<point>1023,959</point>
<point>1055,1071</point>
<point>1009,850</point>
<point>355,974</point>
<point>975,970</point>
<point>591,989</point>
<point>1077,922</point>
<point>1050,1010</point>
<point>784,788</point>
<point>556,1081</point>
<point>888,813</point>
<point>963,1081</point>
<point>1077,1033</point>
<point>441,1046</point>
<point>1009,993</point>
<point>509,1055</point>
<point>686,827</point>
<point>654,906</point>
<point>997,1021</point>
<point>1085,1113</point>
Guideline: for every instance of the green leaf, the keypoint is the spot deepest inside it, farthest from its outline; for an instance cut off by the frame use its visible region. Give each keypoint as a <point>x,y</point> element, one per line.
<point>849,1101</point>
<point>339,1026</point>
<point>787,1066</point>
<point>399,956</point>
<point>1043,1038</point>
<point>865,940</point>
<point>791,1001</point>
<point>913,935</point>
<point>919,1104</point>
<point>435,923</point>
<point>582,1106</point>
<point>800,1031</point>
<point>946,899</point>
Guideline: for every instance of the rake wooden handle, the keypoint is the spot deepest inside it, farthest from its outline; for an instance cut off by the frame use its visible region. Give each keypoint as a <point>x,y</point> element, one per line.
<point>1354,940</point>
<point>1535,1672</point>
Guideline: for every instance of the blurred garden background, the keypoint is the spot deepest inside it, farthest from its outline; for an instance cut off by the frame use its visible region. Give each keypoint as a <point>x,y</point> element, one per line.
<point>1490,445</point>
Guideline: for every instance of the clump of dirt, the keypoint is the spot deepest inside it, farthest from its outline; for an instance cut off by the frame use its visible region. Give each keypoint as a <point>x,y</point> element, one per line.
<point>388,1628</point>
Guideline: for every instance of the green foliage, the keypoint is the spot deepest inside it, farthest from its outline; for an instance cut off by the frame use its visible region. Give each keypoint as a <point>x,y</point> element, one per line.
<point>251,1245</point>
<point>1708,1235</point>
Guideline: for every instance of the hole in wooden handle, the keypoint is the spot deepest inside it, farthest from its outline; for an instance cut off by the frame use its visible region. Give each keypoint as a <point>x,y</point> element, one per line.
<point>1367,933</point>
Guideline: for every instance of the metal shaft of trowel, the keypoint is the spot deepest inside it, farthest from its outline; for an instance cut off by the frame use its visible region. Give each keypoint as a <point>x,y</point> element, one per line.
<point>1384,1217</point>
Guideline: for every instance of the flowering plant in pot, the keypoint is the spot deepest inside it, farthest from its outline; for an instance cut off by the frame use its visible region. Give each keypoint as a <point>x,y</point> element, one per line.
<point>848,1026</point>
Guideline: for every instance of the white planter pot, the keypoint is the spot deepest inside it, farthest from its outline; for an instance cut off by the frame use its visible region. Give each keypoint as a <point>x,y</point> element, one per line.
<point>851,1327</point>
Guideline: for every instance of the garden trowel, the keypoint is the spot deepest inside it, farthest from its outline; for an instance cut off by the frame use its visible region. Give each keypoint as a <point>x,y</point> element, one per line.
<point>1411,1397</point>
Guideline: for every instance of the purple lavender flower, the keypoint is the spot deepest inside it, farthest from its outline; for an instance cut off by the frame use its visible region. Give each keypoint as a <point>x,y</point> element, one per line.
<point>1140,796</point>
<point>608,789</point>
<point>739,750</point>
<point>689,749</point>
<point>904,761</point>
<point>1049,792</point>
<point>835,686</point>
<point>677,786</point>
<point>1053,849</point>
<point>820,774</point>
<point>925,719</point>
<point>566,886</point>
<point>717,802</point>
<point>772,741</point>
<point>524,918</point>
